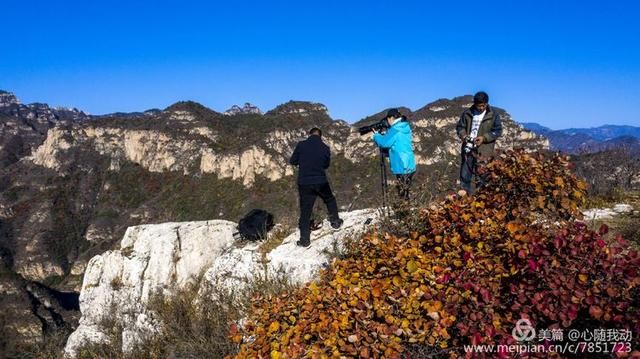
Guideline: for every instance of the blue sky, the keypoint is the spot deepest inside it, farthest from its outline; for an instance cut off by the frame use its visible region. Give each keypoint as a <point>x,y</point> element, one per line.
<point>559,63</point>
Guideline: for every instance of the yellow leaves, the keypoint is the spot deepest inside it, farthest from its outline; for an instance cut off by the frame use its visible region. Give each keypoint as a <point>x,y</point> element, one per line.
<point>582,185</point>
<point>480,245</point>
<point>389,319</point>
<point>559,182</point>
<point>513,227</point>
<point>496,322</point>
<point>376,292</point>
<point>274,327</point>
<point>412,266</point>
<point>455,240</point>
<point>583,277</point>
<point>433,306</point>
<point>444,333</point>
<point>314,288</point>
<point>478,204</point>
<point>276,354</point>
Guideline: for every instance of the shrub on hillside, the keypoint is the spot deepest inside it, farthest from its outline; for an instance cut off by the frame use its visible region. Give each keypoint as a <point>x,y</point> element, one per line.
<point>477,265</point>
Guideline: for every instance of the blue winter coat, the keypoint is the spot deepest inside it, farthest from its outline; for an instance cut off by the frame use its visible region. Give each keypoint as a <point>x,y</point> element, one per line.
<point>398,141</point>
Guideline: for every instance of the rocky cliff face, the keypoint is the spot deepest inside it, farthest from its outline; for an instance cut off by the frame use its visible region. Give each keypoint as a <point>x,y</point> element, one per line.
<point>159,259</point>
<point>71,184</point>
<point>184,141</point>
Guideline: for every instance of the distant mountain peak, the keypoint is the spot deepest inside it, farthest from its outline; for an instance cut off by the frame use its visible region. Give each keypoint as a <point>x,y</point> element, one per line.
<point>536,127</point>
<point>247,109</point>
<point>8,99</point>
<point>191,107</point>
<point>302,108</point>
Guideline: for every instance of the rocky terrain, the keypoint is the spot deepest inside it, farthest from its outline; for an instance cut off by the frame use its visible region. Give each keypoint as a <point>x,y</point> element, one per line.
<point>71,184</point>
<point>161,258</point>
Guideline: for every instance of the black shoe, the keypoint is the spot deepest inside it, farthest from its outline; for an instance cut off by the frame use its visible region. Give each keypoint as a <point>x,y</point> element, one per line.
<point>337,224</point>
<point>303,244</point>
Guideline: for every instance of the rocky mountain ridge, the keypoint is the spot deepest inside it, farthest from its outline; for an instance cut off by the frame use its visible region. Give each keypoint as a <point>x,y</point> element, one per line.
<point>71,187</point>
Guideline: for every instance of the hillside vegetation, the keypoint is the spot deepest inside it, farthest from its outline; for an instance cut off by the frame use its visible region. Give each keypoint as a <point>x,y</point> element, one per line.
<point>477,265</point>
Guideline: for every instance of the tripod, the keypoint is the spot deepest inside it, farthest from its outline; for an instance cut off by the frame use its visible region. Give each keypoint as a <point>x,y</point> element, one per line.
<point>383,178</point>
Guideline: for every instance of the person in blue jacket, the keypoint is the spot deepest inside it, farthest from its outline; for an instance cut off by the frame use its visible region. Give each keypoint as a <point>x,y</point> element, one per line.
<point>398,140</point>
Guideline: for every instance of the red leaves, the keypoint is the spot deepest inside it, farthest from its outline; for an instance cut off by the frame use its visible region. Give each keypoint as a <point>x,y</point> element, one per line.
<point>511,251</point>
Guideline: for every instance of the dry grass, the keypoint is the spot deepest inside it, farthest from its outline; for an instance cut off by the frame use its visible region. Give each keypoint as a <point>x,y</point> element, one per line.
<point>275,238</point>
<point>627,224</point>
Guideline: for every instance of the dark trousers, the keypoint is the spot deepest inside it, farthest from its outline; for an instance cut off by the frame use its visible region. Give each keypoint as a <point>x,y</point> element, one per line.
<point>468,168</point>
<point>403,184</point>
<point>308,194</point>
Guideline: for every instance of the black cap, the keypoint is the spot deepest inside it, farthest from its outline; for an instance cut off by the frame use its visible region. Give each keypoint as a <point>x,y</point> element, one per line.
<point>481,97</point>
<point>393,113</point>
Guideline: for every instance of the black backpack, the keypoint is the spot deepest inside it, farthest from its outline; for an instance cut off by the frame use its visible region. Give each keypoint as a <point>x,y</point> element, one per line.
<point>255,225</point>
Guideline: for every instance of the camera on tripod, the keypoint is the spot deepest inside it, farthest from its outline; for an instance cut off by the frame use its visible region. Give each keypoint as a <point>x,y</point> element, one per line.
<point>380,126</point>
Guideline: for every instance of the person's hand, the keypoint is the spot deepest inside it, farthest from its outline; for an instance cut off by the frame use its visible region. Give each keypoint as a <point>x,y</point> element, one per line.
<point>463,136</point>
<point>373,133</point>
<point>478,141</point>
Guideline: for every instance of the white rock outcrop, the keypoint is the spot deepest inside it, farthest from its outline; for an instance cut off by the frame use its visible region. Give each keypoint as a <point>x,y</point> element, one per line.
<point>239,266</point>
<point>160,258</point>
<point>152,258</point>
<point>47,154</point>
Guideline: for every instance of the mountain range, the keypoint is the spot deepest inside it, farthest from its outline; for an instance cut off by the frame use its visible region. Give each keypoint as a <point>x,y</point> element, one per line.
<point>71,183</point>
<point>590,140</point>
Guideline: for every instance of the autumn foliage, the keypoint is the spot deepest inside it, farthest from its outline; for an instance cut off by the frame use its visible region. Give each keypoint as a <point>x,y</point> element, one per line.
<point>514,250</point>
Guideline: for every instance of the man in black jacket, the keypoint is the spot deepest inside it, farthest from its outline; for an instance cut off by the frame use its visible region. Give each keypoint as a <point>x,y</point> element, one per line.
<point>478,128</point>
<point>312,156</point>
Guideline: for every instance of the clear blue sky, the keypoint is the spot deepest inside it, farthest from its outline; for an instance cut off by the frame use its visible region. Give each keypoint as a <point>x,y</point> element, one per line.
<point>559,63</point>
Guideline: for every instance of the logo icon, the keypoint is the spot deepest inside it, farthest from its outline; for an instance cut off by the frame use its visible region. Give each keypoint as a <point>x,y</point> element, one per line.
<point>523,331</point>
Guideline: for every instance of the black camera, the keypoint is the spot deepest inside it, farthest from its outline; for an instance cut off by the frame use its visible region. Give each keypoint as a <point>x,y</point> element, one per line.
<point>381,126</point>
<point>469,145</point>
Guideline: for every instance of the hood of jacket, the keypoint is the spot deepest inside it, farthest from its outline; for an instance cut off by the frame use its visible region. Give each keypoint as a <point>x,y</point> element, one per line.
<point>402,126</point>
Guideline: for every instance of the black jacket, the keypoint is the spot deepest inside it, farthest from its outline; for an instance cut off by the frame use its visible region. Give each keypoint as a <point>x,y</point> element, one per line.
<point>490,129</point>
<point>313,157</point>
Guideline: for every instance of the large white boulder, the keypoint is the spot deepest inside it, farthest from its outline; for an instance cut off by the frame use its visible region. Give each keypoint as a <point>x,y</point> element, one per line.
<point>161,258</point>
<point>152,258</point>
<point>239,266</point>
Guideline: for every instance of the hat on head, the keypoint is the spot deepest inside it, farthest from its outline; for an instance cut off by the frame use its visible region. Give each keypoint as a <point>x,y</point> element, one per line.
<point>481,97</point>
<point>393,113</point>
